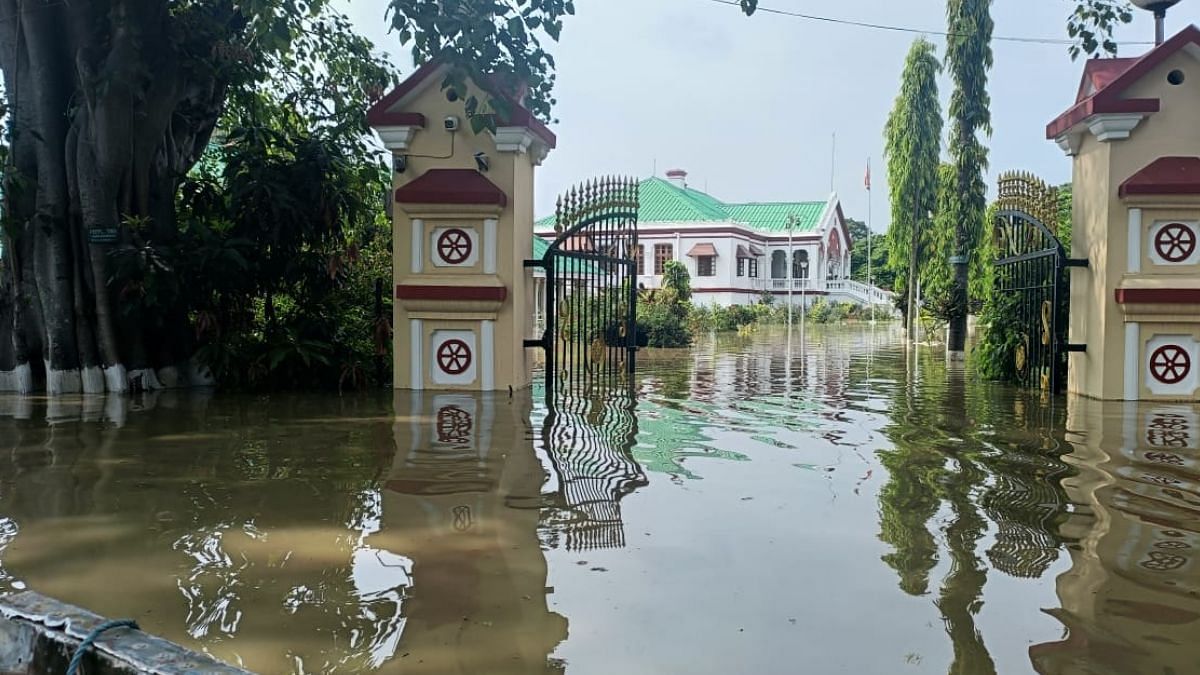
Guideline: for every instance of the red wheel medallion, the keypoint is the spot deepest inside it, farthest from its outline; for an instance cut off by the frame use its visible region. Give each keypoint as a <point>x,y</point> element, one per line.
<point>454,357</point>
<point>454,246</point>
<point>1169,364</point>
<point>1175,242</point>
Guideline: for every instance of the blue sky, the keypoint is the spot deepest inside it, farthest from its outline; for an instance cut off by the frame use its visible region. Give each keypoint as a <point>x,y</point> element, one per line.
<point>749,106</point>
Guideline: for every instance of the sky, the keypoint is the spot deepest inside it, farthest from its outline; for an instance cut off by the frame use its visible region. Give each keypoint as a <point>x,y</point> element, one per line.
<point>749,106</point>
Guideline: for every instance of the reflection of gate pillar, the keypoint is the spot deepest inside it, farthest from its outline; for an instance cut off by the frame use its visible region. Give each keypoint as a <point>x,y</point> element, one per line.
<point>1136,218</point>
<point>462,229</point>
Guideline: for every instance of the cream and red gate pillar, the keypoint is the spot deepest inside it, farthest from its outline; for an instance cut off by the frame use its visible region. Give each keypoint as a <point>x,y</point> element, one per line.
<point>1136,219</point>
<point>462,229</point>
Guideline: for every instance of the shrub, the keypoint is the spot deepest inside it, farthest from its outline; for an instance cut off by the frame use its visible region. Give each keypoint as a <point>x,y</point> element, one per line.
<point>820,311</point>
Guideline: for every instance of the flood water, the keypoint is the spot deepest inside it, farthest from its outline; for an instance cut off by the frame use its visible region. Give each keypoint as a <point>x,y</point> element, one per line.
<point>847,508</point>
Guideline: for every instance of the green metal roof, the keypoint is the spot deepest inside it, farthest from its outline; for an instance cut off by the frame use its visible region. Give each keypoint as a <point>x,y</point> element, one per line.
<point>562,266</point>
<point>773,217</point>
<point>661,201</point>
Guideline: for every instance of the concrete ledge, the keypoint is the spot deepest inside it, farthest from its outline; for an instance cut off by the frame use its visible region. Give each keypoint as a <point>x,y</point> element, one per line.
<point>39,635</point>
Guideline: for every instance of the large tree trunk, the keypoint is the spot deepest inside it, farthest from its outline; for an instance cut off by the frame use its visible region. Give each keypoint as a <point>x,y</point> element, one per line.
<point>110,103</point>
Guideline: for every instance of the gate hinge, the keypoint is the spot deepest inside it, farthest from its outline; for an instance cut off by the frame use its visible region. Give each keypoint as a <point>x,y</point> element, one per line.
<point>1075,262</point>
<point>535,263</point>
<point>1076,347</point>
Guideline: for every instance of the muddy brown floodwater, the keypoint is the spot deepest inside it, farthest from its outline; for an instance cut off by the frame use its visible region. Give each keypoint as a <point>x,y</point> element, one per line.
<point>849,508</point>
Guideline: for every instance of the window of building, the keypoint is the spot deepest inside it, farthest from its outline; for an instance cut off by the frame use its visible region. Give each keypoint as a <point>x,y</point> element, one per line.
<point>741,267</point>
<point>662,253</point>
<point>800,265</point>
<point>754,268</point>
<point>706,266</point>
<point>779,265</point>
<point>639,254</point>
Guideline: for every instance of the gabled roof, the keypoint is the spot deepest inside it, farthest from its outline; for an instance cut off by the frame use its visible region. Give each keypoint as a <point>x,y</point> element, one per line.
<point>1165,176</point>
<point>390,110</point>
<point>1105,80</point>
<point>1099,73</point>
<point>661,201</point>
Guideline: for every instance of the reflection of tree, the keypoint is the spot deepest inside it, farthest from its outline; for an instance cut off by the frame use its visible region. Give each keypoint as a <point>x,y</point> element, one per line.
<point>984,456</point>
<point>906,503</point>
<point>960,598</point>
<point>962,589</point>
<point>910,497</point>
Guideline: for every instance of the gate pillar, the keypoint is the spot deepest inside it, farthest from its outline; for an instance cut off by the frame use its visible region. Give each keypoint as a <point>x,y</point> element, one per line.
<point>1136,219</point>
<point>462,227</point>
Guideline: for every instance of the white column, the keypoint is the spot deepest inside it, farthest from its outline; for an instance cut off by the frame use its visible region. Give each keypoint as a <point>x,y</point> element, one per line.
<point>418,245</point>
<point>1133,361</point>
<point>489,246</point>
<point>1134,262</point>
<point>417,356</point>
<point>487,355</point>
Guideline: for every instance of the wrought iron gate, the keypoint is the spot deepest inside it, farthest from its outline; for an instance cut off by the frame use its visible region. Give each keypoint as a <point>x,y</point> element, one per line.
<point>591,290</point>
<point>1031,280</point>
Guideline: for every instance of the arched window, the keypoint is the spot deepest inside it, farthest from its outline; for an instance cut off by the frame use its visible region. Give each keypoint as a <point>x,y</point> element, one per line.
<point>800,266</point>
<point>779,265</point>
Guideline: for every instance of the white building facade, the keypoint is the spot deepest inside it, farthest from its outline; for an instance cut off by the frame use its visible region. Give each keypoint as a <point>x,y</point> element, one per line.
<point>737,253</point>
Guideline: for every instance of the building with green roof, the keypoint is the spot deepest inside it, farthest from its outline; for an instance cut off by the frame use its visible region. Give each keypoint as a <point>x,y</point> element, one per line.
<point>737,251</point>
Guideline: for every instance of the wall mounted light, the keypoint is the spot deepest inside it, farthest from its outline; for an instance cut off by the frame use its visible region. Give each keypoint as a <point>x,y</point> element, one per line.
<point>399,163</point>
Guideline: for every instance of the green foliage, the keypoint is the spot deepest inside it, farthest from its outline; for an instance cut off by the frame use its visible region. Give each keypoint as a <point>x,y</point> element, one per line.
<point>963,206</point>
<point>663,314</point>
<point>913,148</point>
<point>714,318</point>
<point>282,235</point>
<point>881,274</point>
<point>820,311</point>
<point>996,352</point>
<point>677,280</point>
<point>664,323</point>
<point>1092,23</point>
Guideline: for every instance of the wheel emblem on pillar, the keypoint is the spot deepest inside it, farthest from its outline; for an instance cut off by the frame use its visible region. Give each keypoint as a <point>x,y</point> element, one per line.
<point>1175,242</point>
<point>1169,364</point>
<point>454,246</point>
<point>454,357</point>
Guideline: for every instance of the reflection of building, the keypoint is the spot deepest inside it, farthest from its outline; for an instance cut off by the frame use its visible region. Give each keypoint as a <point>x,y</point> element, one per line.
<point>1131,599</point>
<point>462,502</point>
<point>736,252</point>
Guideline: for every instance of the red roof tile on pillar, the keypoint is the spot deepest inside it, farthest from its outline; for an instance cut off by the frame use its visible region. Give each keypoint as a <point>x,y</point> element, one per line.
<point>452,186</point>
<point>1115,77</point>
<point>1165,176</point>
<point>383,112</point>
<point>1099,73</point>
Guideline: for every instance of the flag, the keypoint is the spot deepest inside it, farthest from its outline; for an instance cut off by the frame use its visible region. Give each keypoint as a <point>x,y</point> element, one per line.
<point>867,177</point>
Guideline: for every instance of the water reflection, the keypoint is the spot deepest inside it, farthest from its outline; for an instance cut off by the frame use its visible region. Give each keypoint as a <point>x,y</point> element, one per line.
<point>781,506</point>
<point>1131,600</point>
<point>587,444</point>
<point>291,535</point>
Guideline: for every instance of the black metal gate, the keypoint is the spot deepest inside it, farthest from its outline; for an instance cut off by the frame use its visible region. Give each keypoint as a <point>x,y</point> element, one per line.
<point>590,339</point>
<point>1031,281</point>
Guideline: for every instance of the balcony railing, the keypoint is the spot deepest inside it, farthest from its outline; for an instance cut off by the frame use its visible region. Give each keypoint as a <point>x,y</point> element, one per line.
<point>796,284</point>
